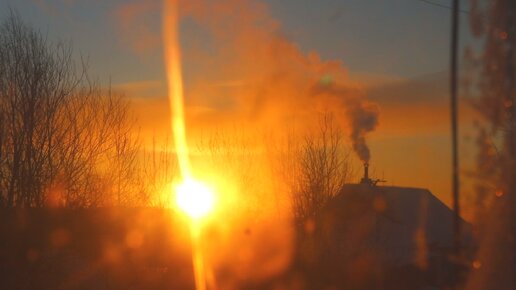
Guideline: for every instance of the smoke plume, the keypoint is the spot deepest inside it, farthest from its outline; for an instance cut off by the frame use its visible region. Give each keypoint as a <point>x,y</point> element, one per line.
<point>250,73</point>
<point>363,117</point>
<point>360,114</point>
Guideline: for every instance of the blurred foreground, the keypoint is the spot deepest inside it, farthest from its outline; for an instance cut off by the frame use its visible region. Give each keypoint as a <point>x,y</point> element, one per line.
<point>366,237</point>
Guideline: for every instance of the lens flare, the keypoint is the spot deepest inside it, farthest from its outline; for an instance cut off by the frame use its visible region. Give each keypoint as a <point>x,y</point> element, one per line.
<point>194,198</point>
<point>172,55</point>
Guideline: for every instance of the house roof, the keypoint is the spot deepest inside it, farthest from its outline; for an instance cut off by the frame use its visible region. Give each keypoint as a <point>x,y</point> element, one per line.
<point>399,216</point>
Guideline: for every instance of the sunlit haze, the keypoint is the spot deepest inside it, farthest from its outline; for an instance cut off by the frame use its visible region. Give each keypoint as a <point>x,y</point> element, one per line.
<point>194,198</point>
<point>258,144</point>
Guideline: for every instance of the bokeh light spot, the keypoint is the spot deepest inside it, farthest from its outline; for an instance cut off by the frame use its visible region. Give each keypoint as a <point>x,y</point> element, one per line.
<point>477,264</point>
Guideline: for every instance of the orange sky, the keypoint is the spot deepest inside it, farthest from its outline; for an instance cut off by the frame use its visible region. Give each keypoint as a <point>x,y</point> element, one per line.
<point>257,66</point>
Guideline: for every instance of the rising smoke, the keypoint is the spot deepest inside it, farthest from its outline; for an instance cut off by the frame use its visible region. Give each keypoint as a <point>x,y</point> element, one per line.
<point>272,81</point>
<point>361,115</point>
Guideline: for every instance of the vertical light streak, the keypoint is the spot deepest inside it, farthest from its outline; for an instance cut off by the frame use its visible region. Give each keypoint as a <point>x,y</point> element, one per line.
<point>172,55</point>
<point>197,258</point>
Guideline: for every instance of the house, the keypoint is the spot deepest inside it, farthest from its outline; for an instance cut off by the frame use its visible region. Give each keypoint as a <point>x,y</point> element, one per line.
<point>385,237</point>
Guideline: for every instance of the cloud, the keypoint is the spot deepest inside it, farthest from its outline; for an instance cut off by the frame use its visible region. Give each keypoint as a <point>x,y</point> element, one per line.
<point>418,106</point>
<point>430,88</point>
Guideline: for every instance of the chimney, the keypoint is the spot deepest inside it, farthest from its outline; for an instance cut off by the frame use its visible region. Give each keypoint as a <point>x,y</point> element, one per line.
<point>365,179</point>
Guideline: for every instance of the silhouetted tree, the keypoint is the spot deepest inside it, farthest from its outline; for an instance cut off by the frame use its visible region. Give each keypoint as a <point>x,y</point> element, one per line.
<point>317,167</point>
<point>62,138</point>
<point>36,81</point>
<point>156,174</point>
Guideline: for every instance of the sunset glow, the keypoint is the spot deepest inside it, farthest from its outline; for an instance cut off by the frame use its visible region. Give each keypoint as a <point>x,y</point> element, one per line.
<point>258,144</point>
<point>194,198</point>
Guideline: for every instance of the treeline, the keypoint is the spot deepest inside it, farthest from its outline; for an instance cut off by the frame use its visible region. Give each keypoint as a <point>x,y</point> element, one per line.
<point>64,141</point>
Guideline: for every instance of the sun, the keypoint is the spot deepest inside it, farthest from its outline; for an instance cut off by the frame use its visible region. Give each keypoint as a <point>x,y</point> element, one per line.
<point>194,198</point>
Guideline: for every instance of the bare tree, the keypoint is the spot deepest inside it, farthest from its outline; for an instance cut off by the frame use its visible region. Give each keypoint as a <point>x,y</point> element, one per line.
<point>58,127</point>
<point>36,80</point>
<point>123,146</point>
<point>317,168</point>
<point>98,150</point>
<point>233,156</point>
<point>156,172</point>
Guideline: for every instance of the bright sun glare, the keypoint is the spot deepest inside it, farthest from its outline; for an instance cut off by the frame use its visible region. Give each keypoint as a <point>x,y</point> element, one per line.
<point>194,198</point>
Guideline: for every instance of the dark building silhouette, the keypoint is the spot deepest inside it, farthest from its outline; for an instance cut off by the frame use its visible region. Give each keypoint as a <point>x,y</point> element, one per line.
<point>384,237</point>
